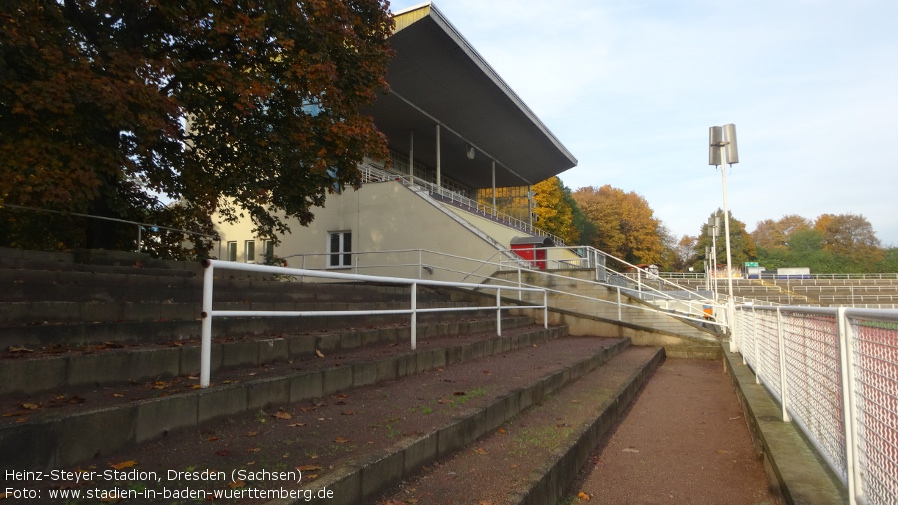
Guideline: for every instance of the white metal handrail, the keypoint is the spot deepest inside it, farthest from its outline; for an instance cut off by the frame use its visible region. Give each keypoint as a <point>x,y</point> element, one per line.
<point>374,174</point>
<point>208,312</point>
<point>835,373</point>
<point>418,266</point>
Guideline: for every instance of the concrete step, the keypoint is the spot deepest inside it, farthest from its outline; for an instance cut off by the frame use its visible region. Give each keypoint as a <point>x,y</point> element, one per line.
<point>98,423</point>
<point>32,285</point>
<point>533,458</point>
<point>27,373</point>
<point>54,312</point>
<point>51,336</point>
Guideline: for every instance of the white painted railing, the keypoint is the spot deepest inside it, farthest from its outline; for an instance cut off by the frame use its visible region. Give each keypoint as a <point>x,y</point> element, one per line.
<point>835,373</point>
<point>374,174</point>
<point>209,313</point>
<point>419,263</point>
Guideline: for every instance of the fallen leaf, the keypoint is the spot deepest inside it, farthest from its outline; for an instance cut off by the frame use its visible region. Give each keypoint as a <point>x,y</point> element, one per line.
<point>76,399</point>
<point>283,415</point>
<point>308,468</point>
<point>583,496</point>
<point>213,439</point>
<point>630,449</point>
<point>294,425</point>
<point>253,449</point>
<point>319,353</point>
<point>223,453</point>
<point>30,406</point>
<point>251,433</point>
<point>480,450</point>
<point>459,393</point>
<point>487,372</point>
<point>347,413</point>
<point>14,348</point>
<point>124,464</point>
<point>721,451</point>
<point>341,440</point>
<point>117,395</point>
<point>237,483</point>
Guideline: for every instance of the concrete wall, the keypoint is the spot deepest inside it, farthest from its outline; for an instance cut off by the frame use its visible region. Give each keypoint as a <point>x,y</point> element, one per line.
<point>586,316</point>
<point>382,216</point>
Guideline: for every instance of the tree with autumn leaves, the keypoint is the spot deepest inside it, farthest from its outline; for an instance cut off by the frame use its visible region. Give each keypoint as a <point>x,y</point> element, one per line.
<point>246,106</point>
<point>625,225</point>
<point>830,244</point>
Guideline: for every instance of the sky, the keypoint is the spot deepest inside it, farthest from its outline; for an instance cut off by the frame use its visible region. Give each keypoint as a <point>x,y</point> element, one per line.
<point>631,88</point>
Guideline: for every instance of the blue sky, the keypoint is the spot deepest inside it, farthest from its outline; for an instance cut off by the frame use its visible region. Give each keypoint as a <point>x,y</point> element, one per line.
<point>630,87</point>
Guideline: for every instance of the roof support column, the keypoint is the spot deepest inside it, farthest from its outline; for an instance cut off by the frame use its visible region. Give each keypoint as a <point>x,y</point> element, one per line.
<point>494,187</point>
<point>439,184</point>
<point>411,155</point>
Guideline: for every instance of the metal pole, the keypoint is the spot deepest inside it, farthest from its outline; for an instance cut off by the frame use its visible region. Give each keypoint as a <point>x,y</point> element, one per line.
<point>846,355</point>
<point>206,339</point>
<point>439,173</point>
<point>726,220</point>
<point>498,312</point>
<point>414,323</point>
<point>784,389</point>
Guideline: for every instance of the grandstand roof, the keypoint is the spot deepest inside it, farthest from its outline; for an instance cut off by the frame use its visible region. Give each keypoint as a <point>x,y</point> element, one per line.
<point>437,77</point>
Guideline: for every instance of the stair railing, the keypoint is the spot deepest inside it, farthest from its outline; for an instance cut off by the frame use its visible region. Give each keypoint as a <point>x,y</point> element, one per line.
<point>208,313</point>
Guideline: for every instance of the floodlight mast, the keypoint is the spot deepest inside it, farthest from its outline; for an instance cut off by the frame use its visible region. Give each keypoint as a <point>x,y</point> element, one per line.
<point>723,149</point>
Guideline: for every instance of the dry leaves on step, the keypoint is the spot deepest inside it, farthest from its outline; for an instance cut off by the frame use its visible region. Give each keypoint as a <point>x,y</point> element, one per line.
<point>124,464</point>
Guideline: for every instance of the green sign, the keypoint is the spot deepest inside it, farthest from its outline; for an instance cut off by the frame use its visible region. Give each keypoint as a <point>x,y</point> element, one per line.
<point>752,264</point>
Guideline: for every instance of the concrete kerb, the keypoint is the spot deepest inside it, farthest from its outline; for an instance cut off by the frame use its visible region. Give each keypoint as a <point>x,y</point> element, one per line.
<point>795,471</point>
<point>381,471</point>
<point>550,480</point>
<point>147,419</point>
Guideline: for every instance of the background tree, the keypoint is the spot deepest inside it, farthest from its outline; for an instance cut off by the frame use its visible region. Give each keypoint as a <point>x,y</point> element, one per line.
<point>684,253</point>
<point>626,226</point>
<point>554,209</point>
<point>850,235</point>
<point>742,246</point>
<point>244,106</point>
<point>770,234</point>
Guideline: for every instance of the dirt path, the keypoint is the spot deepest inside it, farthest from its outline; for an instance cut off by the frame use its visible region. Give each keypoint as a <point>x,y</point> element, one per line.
<point>683,441</point>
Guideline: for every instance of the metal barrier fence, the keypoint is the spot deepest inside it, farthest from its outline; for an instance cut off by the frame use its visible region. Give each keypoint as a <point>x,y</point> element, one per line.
<point>208,312</point>
<point>835,373</point>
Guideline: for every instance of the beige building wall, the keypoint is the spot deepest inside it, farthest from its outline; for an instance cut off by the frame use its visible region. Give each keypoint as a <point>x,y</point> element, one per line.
<point>384,216</point>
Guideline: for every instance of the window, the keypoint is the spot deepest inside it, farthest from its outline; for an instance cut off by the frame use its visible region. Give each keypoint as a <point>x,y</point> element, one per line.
<point>339,249</point>
<point>232,251</point>
<point>249,251</point>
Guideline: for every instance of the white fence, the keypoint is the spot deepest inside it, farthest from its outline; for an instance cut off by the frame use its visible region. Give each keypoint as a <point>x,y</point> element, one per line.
<point>835,373</point>
<point>209,313</point>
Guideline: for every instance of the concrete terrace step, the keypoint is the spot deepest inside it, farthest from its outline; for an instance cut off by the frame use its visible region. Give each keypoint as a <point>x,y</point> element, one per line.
<point>25,373</point>
<point>51,336</point>
<point>30,285</point>
<point>50,312</point>
<point>78,432</point>
<point>534,457</point>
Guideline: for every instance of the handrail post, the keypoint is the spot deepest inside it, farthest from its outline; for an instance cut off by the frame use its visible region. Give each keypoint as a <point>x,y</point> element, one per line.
<point>620,316</point>
<point>784,389</point>
<point>138,238</point>
<point>546,309</point>
<point>520,284</point>
<point>846,359</point>
<point>206,339</point>
<point>498,312</point>
<point>414,322</point>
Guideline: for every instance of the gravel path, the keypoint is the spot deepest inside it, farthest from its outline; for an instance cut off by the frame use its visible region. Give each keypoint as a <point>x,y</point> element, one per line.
<point>684,441</point>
